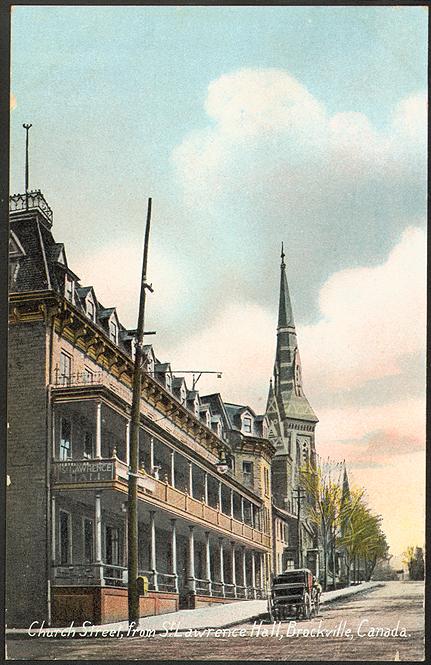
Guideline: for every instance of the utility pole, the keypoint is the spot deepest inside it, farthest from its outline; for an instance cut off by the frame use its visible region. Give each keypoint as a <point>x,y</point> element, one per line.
<point>26,127</point>
<point>132,504</point>
<point>299,493</point>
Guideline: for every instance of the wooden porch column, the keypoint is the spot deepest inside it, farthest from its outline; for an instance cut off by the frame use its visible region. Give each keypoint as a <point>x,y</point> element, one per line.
<point>221,563</point>
<point>231,503</point>
<point>151,455</point>
<point>242,509</point>
<point>244,570</point>
<point>174,552</point>
<point>127,460</point>
<point>53,530</point>
<point>233,563</point>
<point>153,566</point>
<point>53,441</point>
<point>219,496</point>
<point>208,561</point>
<point>191,572</point>
<point>253,574</point>
<point>206,488</point>
<point>98,533</point>
<point>191,479</point>
<point>173,468</point>
<point>98,430</point>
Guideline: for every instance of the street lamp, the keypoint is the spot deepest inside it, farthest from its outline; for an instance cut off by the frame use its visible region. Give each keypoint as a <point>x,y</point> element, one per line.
<point>221,464</point>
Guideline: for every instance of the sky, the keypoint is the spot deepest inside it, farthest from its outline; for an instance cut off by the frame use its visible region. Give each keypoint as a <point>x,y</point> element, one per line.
<point>248,126</point>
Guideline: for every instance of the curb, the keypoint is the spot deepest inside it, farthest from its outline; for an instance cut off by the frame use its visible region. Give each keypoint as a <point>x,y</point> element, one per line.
<point>13,634</point>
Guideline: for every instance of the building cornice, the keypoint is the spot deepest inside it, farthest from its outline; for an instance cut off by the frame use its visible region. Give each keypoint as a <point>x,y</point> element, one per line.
<point>76,328</point>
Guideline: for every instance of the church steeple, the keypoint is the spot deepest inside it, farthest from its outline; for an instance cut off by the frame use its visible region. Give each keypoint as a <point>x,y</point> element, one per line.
<point>287,369</point>
<point>285,313</point>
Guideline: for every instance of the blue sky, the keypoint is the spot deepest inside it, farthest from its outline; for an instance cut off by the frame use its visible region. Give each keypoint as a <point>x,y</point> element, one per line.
<point>248,126</point>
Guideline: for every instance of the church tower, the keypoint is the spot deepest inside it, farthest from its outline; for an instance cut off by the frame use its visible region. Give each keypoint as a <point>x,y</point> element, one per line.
<point>291,419</point>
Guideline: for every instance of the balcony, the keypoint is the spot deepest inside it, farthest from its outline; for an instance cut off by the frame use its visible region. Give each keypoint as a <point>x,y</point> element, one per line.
<point>33,200</point>
<point>112,473</point>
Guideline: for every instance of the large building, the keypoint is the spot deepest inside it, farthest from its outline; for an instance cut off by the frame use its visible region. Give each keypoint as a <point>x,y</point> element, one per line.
<point>292,423</point>
<point>204,536</point>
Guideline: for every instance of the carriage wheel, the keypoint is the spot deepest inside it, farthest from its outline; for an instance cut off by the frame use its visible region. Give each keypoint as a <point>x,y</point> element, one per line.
<point>271,614</point>
<point>306,611</point>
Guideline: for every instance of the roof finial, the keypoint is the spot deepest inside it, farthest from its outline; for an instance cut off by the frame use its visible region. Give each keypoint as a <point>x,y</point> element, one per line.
<point>26,127</point>
<point>283,265</point>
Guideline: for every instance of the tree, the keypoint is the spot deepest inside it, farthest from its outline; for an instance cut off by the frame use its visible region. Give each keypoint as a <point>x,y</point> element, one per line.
<point>362,536</point>
<point>323,510</point>
<point>413,557</point>
<point>343,520</point>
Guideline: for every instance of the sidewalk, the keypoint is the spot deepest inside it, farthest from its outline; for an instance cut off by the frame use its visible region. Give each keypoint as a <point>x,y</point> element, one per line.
<point>215,617</point>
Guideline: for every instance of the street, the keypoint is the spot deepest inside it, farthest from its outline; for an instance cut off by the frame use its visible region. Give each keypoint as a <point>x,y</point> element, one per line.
<point>356,624</point>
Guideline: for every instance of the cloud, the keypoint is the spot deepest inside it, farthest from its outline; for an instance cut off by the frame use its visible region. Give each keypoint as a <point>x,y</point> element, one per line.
<point>392,437</point>
<point>114,271</point>
<point>371,319</point>
<point>252,109</point>
<point>237,343</point>
<point>271,163</point>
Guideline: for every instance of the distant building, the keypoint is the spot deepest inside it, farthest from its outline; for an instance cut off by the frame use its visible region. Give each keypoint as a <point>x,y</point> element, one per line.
<point>204,537</point>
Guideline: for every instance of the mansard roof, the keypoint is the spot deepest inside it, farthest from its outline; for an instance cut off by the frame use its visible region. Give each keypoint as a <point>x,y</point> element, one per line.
<point>104,312</point>
<point>15,247</point>
<point>217,406</point>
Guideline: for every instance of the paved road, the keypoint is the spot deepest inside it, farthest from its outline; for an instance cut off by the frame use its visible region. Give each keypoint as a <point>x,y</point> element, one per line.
<point>395,604</point>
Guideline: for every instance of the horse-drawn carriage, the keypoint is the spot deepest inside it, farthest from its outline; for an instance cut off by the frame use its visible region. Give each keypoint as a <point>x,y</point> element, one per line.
<point>294,593</point>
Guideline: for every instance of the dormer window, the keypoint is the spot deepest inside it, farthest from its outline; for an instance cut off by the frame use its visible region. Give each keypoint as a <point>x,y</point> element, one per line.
<point>150,360</point>
<point>91,309</point>
<point>68,288</point>
<point>113,331</point>
<point>246,424</point>
<point>168,381</point>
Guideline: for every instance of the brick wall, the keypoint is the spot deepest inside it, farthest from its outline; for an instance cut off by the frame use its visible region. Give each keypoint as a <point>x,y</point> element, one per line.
<point>26,504</point>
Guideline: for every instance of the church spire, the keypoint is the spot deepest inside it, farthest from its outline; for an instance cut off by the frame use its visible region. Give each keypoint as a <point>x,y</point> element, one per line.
<point>285,312</point>
<point>287,369</point>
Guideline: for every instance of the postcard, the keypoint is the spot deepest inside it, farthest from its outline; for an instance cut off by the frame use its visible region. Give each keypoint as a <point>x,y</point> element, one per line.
<point>217,322</point>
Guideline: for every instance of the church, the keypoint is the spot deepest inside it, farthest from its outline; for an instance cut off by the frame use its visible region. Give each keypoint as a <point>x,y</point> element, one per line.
<point>291,428</point>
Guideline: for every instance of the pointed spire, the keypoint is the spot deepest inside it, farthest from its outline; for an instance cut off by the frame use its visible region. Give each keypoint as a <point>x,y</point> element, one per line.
<point>270,395</point>
<point>285,313</point>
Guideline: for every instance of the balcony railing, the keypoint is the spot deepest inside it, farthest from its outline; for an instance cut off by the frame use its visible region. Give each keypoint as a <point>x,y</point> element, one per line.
<point>33,199</point>
<point>94,472</point>
<point>88,379</point>
<point>107,574</point>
